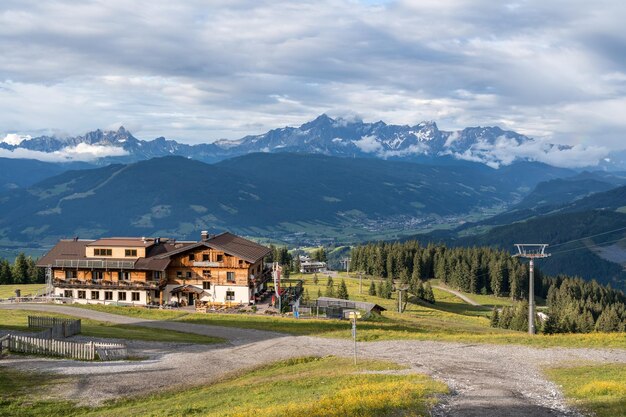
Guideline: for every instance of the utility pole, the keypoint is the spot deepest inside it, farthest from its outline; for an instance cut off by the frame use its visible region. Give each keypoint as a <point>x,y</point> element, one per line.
<point>531,251</point>
<point>360,282</point>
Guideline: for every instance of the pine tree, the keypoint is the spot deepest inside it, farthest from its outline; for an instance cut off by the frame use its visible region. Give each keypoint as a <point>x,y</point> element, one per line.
<point>551,324</point>
<point>306,298</point>
<point>6,275</point>
<point>315,279</point>
<point>419,291</point>
<point>20,270</point>
<point>329,281</point>
<point>319,292</point>
<point>608,321</point>
<point>429,296</point>
<point>388,288</point>
<point>494,318</point>
<point>372,290</point>
<point>343,291</point>
<point>330,291</point>
<point>380,290</point>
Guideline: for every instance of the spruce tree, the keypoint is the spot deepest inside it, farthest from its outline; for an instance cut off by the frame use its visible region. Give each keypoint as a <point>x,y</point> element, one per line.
<point>494,318</point>
<point>429,296</point>
<point>6,275</point>
<point>343,291</point>
<point>330,291</point>
<point>372,290</point>
<point>608,321</point>
<point>20,270</point>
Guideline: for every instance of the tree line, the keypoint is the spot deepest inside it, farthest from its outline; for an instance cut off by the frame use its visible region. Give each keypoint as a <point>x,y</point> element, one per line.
<point>475,270</point>
<point>22,271</point>
<point>574,305</point>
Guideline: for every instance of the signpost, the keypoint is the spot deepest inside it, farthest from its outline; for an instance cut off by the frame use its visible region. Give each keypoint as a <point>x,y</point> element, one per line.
<point>276,272</point>
<point>353,315</point>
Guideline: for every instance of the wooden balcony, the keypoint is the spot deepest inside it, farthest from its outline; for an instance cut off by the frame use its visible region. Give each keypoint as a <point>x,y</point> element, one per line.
<point>111,285</point>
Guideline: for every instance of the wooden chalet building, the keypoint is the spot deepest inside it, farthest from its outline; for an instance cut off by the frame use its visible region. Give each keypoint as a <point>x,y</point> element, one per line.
<point>220,269</point>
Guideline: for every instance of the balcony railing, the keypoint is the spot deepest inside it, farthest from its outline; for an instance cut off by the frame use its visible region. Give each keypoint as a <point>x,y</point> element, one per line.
<point>94,263</point>
<point>208,264</point>
<point>104,284</point>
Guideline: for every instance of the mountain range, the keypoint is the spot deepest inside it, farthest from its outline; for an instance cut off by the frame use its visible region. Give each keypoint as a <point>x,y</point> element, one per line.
<point>423,142</point>
<point>272,195</point>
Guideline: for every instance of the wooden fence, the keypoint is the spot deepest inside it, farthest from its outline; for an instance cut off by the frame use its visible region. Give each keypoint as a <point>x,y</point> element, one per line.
<point>64,349</point>
<point>4,345</point>
<point>55,327</point>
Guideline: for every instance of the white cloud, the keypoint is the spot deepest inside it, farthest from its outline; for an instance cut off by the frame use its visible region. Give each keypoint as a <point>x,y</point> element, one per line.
<point>15,139</point>
<point>81,152</point>
<point>368,144</point>
<point>505,151</point>
<point>198,71</point>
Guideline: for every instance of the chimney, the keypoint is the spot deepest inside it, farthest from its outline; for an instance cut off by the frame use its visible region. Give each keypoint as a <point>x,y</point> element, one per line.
<point>204,235</point>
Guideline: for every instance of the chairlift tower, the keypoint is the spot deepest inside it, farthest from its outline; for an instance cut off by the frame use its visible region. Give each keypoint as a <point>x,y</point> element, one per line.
<point>531,251</point>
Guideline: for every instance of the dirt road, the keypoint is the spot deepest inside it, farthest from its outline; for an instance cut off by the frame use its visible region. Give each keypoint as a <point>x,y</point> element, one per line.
<point>486,380</point>
<point>458,294</point>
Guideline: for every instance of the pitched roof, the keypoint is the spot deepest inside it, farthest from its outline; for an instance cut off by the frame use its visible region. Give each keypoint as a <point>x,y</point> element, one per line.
<point>229,243</point>
<point>76,250</point>
<point>65,249</point>
<point>242,248</point>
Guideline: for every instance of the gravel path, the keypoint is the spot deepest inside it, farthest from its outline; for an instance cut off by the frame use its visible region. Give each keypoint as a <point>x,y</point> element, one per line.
<point>486,380</point>
<point>458,294</point>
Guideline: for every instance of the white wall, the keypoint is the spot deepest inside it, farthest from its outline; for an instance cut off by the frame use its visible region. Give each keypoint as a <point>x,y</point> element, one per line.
<point>101,300</point>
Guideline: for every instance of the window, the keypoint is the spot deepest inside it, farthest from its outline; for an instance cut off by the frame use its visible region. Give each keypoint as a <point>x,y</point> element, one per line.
<point>68,294</point>
<point>82,294</point>
<point>124,276</point>
<point>179,274</point>
<point>130,252</point>
<point>95,295</point>
<point>121,296</point>
<point>205,257</point>
<point>103,252</point>
<point>108,295</point>
<point>220,258</point>
<point>206,285</point>
<point>230,276</point>
<point>240,262</point>
<point>156,274</point>
<point>188,274</point>
<point>230,295</point>
<point>206,273</point>
<point>70,274</point>
<point>192,257</point>
<point>97,275</point>
<point>135,296</point>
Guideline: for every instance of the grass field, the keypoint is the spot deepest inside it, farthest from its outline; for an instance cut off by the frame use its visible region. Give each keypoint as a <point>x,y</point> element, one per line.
<point>7,291</point>
<point>598,389</point>
<point>307,386</point>
<point>18,320</point>
<point>449,319</point>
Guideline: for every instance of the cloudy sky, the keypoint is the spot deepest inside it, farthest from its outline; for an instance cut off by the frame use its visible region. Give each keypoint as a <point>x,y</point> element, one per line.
<point>205,70</point>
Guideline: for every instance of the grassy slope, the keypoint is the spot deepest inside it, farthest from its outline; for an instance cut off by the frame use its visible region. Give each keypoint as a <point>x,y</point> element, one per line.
<point>450,319</point>
<point>18,320</point>
<point>600,389</point>
<point>7,291</point>
<point>307,386</point>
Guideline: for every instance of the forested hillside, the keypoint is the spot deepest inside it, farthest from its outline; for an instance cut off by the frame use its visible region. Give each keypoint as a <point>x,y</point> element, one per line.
<point>574,305</point>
